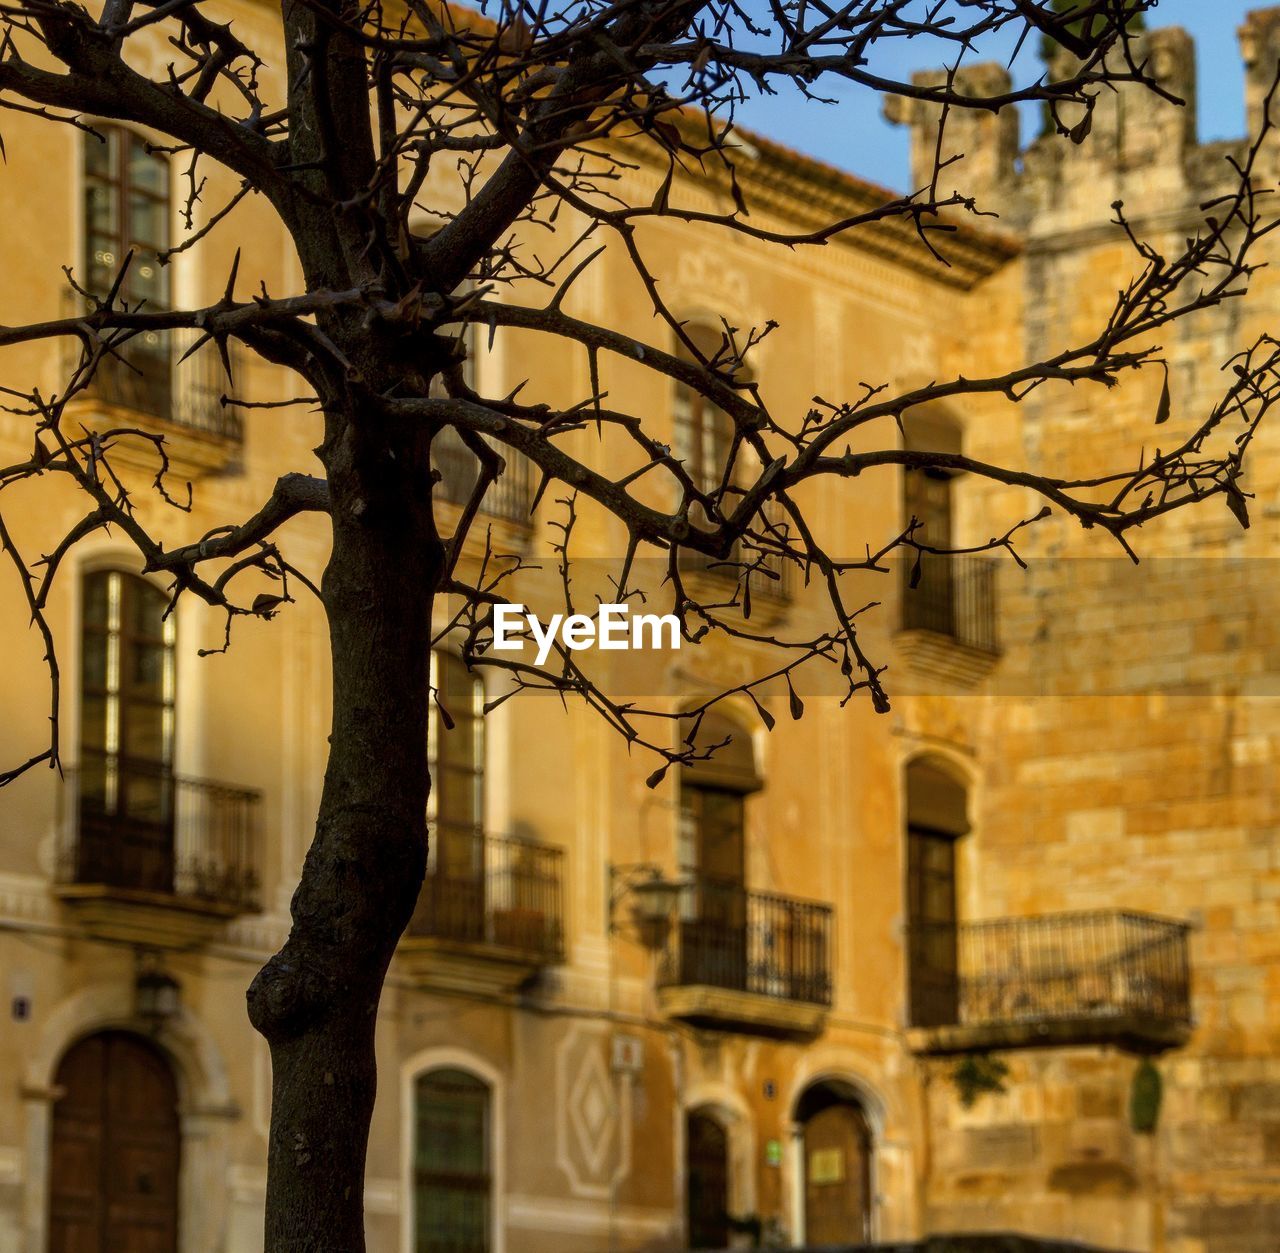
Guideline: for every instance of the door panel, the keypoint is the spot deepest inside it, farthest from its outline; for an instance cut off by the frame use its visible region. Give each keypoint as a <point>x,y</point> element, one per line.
<point>115,1151</point>
<point>933,968</point>
<point>707,1153</point>
<point>837,1170</point>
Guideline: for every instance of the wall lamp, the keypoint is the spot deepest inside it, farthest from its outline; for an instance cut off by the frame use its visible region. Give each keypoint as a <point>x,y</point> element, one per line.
<point>653,897</point>
<point>157,995</point>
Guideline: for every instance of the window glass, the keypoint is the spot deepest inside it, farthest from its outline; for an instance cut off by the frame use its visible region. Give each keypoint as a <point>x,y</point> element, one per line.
<point>452,1184</point>
<point>456,754</point>
<point>126,671</point>
<point>703,431</point>
<point>127,206</point>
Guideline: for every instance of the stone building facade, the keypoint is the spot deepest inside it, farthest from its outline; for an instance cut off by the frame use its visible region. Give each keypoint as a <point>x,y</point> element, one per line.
<point>1126,743</point>
<point>1050,871</point>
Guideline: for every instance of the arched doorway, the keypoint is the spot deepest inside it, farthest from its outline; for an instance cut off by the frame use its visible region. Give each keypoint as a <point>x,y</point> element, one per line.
<point>113,1162</point>
<point>706,1180</point>
<point>836,1142</point>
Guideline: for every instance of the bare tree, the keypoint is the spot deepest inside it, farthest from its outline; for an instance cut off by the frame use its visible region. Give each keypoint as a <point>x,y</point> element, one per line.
<point>535,106</point>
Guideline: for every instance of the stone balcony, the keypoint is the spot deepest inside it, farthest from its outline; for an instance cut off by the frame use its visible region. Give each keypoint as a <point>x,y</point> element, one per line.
<point>148,856</point>
<point>169,388</point>
<point>739,960</point>
<point>1106,977</point>
<point>490,914</point>
<point>947,624</point>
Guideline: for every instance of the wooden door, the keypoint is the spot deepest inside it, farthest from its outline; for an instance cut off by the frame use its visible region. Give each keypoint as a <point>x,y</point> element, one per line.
<point>113,1162</point>
<point>707,1181</point>
<point>932,957</point>
<point>837,1176</point>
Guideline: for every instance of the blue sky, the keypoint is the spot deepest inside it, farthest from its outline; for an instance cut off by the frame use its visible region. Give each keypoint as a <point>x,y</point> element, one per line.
<point>852,135</point>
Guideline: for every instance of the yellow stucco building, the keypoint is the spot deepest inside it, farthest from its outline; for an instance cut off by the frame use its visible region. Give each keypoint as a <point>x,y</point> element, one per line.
<point>753,1001</point>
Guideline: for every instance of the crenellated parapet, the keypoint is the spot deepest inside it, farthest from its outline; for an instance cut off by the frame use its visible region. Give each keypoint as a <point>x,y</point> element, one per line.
<point>1260,47</point>
<point>1141,148</point>
<point>988,142</point>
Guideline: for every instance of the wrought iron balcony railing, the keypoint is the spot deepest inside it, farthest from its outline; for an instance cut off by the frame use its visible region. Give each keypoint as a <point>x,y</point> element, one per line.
<point>770,575</point>
<point>955,597</point>
<point>1098,976</point>
<point>488,891</point>
<point>154,376</point>
<point>137,827</point>
<point>725,936</point>
<point>508,497</point>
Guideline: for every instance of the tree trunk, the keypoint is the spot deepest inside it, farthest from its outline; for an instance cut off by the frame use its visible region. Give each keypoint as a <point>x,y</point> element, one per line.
<point>316,1000</point>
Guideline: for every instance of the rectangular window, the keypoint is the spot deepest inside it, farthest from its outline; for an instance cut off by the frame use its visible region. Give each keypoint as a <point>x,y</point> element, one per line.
<point>127,211</point>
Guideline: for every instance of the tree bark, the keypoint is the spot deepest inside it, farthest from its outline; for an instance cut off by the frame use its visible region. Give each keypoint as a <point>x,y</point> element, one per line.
<point>316,1001</point>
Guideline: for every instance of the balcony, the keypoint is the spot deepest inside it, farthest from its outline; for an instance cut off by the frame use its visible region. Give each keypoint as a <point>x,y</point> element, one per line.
<point>747,961</point>
<point>769,576</point>
<point>508,500</point>
<point>148,856</point>
<point>947,624</point>
<point>490,914</point>
<point>1107,977</point>
<point>155,388</point>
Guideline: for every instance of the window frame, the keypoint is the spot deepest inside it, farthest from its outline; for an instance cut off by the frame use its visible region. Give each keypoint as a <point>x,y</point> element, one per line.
<point>702,432</point>
<point>117,633</point>
<point>465,718</point>
<point>121,187</point>
<point>446,1057</point>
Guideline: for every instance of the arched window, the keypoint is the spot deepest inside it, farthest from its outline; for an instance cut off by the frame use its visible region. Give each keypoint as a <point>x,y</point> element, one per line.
<point>937,816</point>
<point>713,796</point>
<point>712,853</point>
<point>452,902</point>
<point>128,693</point>
<point>452,1175</point>
<point>127,210</point>
<point>703,431</point>
<point>927,497</point>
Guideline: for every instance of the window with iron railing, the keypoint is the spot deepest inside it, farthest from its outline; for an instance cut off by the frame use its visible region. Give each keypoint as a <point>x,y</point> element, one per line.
<point>763,943</point>
<point>951,596</point>
<point>480,889</point>
<point>128,821</point>
<point>509,496</point>
<point>126,217</point>
<point>171,376</point>
<point>703,441</point>
<point>493,892</point>
<point>127,713</point>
